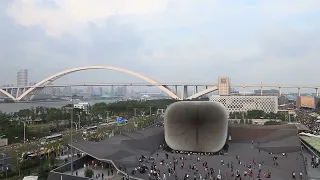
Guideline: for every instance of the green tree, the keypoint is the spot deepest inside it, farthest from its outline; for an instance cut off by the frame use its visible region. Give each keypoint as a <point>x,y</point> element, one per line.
<point>88,173</point>
<point>52,160</point>
<point>18,155</point>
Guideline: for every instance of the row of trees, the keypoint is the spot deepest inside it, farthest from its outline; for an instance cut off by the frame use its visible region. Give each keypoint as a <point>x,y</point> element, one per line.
<point>257,114</point>
<point>58,119</point>
<point>129,108</point>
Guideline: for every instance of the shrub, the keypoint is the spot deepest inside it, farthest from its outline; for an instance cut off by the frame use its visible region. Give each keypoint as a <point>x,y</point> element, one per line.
<point>88,173</point>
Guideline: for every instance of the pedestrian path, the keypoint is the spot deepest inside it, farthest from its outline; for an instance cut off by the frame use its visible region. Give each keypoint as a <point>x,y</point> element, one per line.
<point>313,173</point>
<point>81,173</point>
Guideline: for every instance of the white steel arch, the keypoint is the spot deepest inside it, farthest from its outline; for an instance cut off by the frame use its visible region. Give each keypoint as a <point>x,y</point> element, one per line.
<point>204,92</point>
<point>7,94</point>
<point>68,71</point>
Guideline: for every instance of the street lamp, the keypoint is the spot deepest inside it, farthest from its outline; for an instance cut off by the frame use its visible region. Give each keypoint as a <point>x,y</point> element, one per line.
<point>71,129</point>
<point>135,112</point>
<point>150,110</point>
<point>24,132</point>
<point>77,124</point>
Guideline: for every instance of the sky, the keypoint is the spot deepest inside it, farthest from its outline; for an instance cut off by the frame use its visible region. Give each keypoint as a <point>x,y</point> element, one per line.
<point>172,41</point>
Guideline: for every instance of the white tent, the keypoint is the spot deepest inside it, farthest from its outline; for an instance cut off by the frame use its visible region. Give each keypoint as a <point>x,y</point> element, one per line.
<point>30,178</point>
<point>308,134</point>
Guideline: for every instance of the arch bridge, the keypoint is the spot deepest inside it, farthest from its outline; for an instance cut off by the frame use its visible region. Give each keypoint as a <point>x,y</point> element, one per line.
<point>48,81</point>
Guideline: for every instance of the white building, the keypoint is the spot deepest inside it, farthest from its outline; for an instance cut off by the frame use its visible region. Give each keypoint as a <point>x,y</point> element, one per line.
<point>83,106</point>
<point>246,103</point>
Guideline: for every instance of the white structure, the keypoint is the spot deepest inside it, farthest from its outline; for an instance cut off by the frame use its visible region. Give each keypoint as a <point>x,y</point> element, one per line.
<point>22,78</point>
<point>83,106</point>
<point>246,103</point>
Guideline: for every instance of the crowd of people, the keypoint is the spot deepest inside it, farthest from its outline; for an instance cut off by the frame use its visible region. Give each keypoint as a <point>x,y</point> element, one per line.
<point>304,117</point>
<point>176,165</point>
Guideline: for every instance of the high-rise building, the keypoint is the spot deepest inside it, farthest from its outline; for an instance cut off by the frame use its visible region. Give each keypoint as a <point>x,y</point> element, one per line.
<point>224,86</point>
<point>90,90</point>
<point>22,77</point>
<point>100,91</point>
<point>112,90</point>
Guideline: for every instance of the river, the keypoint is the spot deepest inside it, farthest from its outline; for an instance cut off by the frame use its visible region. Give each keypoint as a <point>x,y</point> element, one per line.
<point>15,107</point>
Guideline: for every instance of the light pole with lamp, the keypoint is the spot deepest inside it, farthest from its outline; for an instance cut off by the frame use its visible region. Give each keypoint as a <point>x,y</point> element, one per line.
<point>24,132</point>
<point>71,129</point>
<point>150,110</point>
<point>77,125</point>
<point>107,117</point>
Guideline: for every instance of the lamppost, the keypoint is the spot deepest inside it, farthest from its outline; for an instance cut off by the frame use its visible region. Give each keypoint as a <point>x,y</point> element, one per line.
<point>24,132</point>
<point>77,125</point>
<point>71,129</point>
<point>150,110</point>
<point>79,116</point>
<point>7,168</point>
<point>135,112</point>
<point>107,117</point>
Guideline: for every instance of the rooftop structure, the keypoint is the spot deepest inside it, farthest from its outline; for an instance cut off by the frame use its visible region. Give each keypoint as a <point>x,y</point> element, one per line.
<point>246,103</point>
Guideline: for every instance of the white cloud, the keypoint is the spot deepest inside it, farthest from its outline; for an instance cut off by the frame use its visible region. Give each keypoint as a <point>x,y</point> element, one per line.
<point>73,14</point>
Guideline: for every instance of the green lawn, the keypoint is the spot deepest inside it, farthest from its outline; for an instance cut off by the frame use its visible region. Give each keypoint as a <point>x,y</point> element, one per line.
<point>313,141</point>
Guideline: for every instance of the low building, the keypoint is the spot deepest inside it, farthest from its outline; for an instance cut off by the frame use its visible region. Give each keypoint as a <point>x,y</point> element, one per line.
<point>246,103</point>
<point>83,106</point>
<point>306,102</point>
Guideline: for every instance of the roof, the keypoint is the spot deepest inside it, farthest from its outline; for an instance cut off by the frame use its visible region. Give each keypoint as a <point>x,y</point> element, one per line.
<point>125,148</point>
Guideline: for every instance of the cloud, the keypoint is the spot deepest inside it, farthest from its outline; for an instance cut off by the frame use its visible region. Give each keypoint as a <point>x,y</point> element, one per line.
<point>62,16</point>
<point>170,40</point>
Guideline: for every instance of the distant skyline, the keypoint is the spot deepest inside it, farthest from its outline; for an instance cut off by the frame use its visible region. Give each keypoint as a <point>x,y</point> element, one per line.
<point>269,41</point>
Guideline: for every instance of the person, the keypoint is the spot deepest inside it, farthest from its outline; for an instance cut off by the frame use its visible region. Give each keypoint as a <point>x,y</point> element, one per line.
<point>293,175</point>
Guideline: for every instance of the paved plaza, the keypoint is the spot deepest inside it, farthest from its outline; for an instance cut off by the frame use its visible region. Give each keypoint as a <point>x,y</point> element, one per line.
<point>293,162</point>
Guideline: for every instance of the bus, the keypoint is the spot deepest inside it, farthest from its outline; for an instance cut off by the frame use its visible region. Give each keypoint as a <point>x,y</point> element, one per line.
<point>90,130</point>
<point>51,139</point>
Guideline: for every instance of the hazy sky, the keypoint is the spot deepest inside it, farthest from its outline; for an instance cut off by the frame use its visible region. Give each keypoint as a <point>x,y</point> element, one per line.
<point>251,41</point>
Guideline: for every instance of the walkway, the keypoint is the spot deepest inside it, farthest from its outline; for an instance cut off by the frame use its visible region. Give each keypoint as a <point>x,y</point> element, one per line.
<point>313,173</point>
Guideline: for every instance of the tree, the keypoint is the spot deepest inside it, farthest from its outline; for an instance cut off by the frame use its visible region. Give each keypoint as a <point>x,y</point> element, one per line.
<point>246,121</point>
<point>17,155</point>
<point>88,173</point>
<point>52,160</point>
